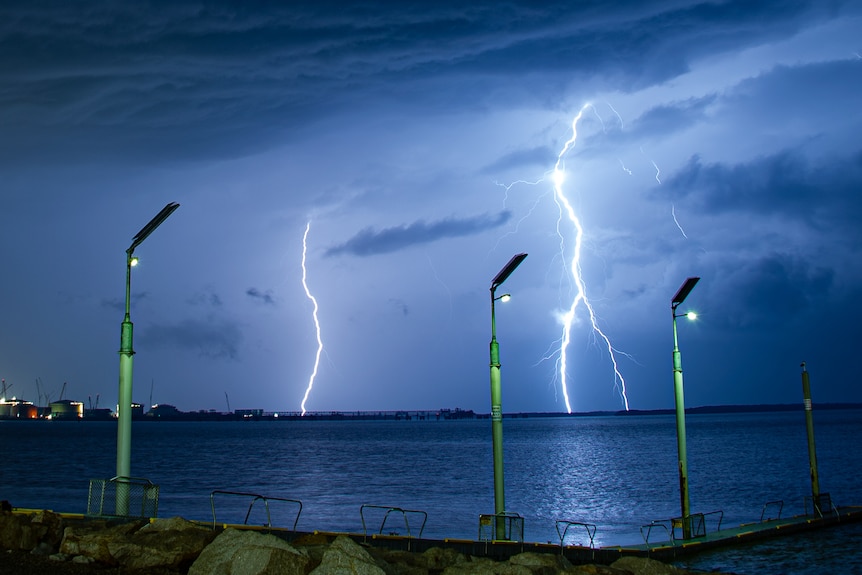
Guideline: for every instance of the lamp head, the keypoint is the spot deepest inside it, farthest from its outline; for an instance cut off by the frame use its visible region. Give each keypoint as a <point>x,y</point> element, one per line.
<point>683,291</point>
<point>507,270</point>
<point>505,297</point>
<point>133,261</point>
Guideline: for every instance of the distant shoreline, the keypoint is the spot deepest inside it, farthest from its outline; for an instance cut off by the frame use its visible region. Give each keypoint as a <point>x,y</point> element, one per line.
<point>439,415</point>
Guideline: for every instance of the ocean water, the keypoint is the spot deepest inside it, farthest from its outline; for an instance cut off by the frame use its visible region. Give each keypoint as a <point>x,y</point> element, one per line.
<point>615,472</point>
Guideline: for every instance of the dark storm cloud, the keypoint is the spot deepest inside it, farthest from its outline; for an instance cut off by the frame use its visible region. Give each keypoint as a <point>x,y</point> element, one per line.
<point>369,242</point>
<point>215,338</point>
<point>264,297</point>
<point>538,156</point>
<point>206,299</point>
<point>666,119</point>
<point>195,81</point>
<point>770,291</point>
<point>786,182</point>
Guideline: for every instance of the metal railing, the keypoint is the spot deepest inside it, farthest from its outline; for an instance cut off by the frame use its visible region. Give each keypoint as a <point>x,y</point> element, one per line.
<point>820,506</point>
<point>389,510</point>
<point>123,497</point>
<point>771,506</point>
<point>696,522</point>
<point>588,527</point>
<point>254,499</point>
<point>653,525</point>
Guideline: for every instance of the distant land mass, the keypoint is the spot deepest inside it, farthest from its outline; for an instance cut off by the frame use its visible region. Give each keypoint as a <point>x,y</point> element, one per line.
<point>158,414</point>
<point>66,410</point>
<point>756,408</point>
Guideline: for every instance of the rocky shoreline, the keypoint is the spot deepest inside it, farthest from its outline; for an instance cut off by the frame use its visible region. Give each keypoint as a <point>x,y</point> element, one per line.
<point>42,541</point>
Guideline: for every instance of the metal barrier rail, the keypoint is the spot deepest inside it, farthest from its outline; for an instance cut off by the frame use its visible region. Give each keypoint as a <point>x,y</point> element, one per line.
<point>403,512</point>
<point>768,505</point>
<point>124,494</point>
<point>590,528</point>
<point>720,518</point>
<point>255,498</point>
<point>649,529</point>
<point>697,525</point>
<point>490,524</point>
<point>824,500</point>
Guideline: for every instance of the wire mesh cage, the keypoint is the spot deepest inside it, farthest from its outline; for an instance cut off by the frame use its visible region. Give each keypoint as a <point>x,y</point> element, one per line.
<point>504,526</point>
<point>123,497</point>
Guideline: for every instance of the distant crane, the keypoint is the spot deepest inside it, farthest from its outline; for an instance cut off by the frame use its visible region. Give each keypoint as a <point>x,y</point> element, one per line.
<point>90,399</point>
<point>62,391</point>
<point>228,402</point>
<point>44,400</point>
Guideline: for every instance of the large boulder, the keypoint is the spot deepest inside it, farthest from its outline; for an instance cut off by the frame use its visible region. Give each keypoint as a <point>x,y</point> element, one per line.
<point>645,566</point>
<point>346,556</point>
<point>96,539</point>
<point>237,552</point>
<point>165,543</point>
<point>485,566</point>
<point>30,530</point>
<point>593,569</point>
<point>541,563</point>
<point>441,557</point>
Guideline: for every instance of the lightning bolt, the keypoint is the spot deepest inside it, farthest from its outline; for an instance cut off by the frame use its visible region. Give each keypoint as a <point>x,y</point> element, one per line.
<point>314,315</point>
<point>568,318</point>
<point>620,118</point>
<point>625,169</point>
<point>657,171</point>
<point>673,213</point>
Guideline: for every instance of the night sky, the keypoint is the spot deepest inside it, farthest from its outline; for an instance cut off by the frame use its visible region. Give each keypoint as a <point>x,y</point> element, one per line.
<point>418,142</point>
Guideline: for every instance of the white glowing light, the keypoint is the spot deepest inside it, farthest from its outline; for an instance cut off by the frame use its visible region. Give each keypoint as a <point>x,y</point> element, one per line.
<point>691,315</point>
<point>314,315</point>
<point>559,176</point>
<point>568,317</point>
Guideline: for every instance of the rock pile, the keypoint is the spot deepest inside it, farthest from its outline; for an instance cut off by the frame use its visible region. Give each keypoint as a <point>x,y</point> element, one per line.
<point>179,546</point>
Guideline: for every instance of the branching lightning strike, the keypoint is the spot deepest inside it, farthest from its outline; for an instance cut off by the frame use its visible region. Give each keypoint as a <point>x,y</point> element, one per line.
<point>314,315</point>
<point>566,209</point>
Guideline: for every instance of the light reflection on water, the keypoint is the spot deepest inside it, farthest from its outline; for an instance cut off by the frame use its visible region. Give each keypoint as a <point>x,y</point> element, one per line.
<point>615,472</point>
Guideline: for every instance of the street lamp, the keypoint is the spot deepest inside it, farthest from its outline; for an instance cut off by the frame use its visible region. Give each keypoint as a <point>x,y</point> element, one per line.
<point>812,450</point>
<point>124,404</point>
<point>685,505</point>
<point>496,401</point>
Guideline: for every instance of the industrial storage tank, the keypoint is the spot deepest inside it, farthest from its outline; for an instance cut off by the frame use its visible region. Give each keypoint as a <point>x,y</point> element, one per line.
<point>17,409</point>
<point>67,409</point>
<point>25,410</point>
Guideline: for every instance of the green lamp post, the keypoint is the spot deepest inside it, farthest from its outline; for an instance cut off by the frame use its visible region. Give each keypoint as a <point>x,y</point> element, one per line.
<point>496,401</point>
<point>679,400</point>
<point>124,402</point>
<point>812,449</point>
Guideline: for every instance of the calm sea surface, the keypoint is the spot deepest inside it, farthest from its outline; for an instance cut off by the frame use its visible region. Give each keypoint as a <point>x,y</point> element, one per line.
<point>618,473</point>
